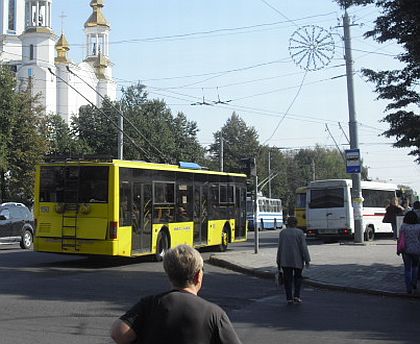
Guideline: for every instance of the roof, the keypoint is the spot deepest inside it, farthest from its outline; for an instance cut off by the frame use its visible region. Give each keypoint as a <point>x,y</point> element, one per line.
<point>97,18</point>
<point>140,165</point>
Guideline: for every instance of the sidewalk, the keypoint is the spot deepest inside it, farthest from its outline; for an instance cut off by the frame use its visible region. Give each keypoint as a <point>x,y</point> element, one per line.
<point>370,268</point>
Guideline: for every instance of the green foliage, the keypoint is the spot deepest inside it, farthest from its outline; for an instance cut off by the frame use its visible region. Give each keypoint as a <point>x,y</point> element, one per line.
<point>399,21</point>
<point>23,144</point>
<point>239,141</point>
<point>152,133</point>
<point>8,103</point>
<point>298,168</point>
<point>94,131</point>
<point>347,3</point>
<point>61,141</point>
<point>288,169</point>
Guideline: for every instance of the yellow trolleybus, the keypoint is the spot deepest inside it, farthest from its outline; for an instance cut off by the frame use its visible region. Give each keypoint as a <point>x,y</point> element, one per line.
<point>300,207</point>
<point>133,208</point>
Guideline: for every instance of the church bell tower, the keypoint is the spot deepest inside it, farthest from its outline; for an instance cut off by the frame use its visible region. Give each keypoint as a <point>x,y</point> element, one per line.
<point>97,31</point>
<point>38,53</point>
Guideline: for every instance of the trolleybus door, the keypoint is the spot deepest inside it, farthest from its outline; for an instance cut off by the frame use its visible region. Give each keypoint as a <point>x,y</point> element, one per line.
<point>240,213</point>
<point>200,214</point>
<point>142,210</point>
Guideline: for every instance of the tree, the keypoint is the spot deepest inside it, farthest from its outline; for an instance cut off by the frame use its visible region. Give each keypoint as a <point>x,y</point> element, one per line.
<point>239,141</point>
<point>94,130</point>
<point>152,133</point>
<point>162,136</point>
<point>399,21</point>
<point>306,165</point>
<point>61,141</point>
<point>8,103</point>
<point>22,142</point>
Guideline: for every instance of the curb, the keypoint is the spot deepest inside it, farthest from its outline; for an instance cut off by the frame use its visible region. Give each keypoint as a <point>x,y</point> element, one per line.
<point>264,274</point>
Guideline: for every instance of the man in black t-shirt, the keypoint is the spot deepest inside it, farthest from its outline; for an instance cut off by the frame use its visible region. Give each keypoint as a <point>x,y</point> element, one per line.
<point>178,316</point>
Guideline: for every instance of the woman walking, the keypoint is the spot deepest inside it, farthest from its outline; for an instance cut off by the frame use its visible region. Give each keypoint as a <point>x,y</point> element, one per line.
<point>409,246</point>
<point>392,211</point>
<point>292,254</point>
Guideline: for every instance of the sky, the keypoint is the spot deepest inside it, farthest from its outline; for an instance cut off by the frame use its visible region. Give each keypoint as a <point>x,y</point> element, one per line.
<point>237,55</point>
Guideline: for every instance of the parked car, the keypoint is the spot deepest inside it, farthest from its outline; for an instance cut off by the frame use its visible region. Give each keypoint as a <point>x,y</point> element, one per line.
<point>16,224</point>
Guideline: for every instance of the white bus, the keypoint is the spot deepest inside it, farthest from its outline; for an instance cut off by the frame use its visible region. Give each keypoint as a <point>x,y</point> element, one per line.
<point>269,213</point>
<point>330,209</point>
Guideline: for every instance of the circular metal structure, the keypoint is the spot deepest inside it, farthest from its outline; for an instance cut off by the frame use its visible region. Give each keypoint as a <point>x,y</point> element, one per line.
<point>311,47</point>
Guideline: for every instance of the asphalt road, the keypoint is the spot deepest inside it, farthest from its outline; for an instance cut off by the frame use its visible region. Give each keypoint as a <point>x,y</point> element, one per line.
<point>48,298</point>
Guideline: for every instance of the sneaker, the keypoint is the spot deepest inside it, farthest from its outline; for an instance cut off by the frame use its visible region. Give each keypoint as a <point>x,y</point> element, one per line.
<point>297,300</point>
<point>290,302</point>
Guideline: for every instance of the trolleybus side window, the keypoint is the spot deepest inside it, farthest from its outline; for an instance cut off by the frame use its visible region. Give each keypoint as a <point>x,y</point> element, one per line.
<point>184,201</point>
<point>327,198</point>
<point>126,204</point>
<point>164,201</point>
<point>213,201</point>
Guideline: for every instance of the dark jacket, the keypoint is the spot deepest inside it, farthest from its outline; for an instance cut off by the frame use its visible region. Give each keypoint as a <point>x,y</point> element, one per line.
<point>292,250</point>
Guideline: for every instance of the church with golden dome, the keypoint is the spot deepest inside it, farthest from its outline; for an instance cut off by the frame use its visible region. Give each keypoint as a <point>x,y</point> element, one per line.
<point>41,60</point>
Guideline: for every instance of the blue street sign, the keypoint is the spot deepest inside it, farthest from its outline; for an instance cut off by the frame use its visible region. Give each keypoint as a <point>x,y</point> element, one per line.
<point>353,161</point>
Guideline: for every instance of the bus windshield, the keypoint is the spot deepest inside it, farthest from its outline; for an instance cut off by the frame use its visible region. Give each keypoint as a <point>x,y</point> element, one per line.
<point>75,184</point>
<point>327,198</point>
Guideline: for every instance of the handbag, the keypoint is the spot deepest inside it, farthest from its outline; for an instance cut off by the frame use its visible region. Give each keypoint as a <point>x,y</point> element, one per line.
<point>278,278</point>
<point>401,244</point>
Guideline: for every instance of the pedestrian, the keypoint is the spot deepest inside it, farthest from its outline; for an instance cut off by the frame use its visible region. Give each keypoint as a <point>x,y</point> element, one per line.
<point>292,254</point>
<point>409,246</point>
<point>406,206</point>
<point>391,213</point>
<point>177,316</point>
<point>416,209</point>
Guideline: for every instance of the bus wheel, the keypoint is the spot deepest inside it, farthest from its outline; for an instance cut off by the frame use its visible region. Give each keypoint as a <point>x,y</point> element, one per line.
<point>225,240</point>
<point>369,234</point>
<point>162,245</point>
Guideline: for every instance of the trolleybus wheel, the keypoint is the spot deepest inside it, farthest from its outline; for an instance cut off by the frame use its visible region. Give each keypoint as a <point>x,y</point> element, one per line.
<point>162,245</point>
<point>225,240</point>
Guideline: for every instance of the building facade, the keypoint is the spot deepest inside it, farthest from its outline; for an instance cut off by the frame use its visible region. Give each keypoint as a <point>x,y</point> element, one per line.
<point>41,60</point>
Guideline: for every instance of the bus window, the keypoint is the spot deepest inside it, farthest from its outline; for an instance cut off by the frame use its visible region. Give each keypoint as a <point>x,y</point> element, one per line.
<point>301,200</point>
<point>93,185</point>
<point>376,198</point>
<point>184,203</point>
<point>327,198</point>
<point>230,194</point>
<point>86,184</point>
<point>125,204</point>
<point>164,202</point>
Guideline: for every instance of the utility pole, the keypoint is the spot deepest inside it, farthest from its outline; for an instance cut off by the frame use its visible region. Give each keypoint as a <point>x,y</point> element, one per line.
<point>256,234</point>
<point>313,169</point>
<point>269,173</point>
<point>357,198</point>
<point>221,151</point>
<point>120,136</point>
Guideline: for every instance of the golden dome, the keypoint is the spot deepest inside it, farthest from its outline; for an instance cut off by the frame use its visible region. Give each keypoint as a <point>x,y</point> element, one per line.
<point>97,18</point>
<point>62,47</point>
